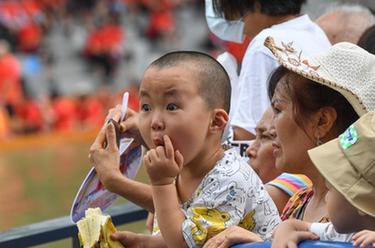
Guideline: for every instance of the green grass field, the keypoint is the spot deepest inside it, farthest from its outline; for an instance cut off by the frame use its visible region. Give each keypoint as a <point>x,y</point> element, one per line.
<point>40,182</point>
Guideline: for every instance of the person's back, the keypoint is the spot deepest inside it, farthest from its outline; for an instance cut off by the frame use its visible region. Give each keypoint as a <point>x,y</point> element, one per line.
<point>262,18</point>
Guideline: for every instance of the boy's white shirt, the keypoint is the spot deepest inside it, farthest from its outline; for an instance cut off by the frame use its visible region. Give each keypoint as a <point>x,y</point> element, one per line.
<point>258,64</point>
<point>230,192</point>
<point>327,232</point>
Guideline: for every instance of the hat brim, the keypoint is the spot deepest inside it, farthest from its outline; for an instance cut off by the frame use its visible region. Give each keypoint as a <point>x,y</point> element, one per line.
<point>300,65</point>
<point>335,167</point>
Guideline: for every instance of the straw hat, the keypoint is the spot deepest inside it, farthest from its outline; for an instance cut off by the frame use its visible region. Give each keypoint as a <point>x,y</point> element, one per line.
<point>348,163</point>
<point>345,67</point>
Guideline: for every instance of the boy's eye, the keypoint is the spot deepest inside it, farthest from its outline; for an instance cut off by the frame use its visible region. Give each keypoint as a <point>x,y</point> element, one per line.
<point>145,107</point>
<point>172,107</point>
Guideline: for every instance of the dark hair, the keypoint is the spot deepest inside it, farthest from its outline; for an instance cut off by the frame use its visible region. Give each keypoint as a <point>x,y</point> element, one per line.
<point>367,40</point>
<point>239,8</point>
<point>308,97</point>
<point>214,87</point>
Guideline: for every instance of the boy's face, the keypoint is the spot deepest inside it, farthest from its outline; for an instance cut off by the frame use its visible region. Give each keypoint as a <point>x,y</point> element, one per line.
<point>171,105</point>
<point>344,217</point>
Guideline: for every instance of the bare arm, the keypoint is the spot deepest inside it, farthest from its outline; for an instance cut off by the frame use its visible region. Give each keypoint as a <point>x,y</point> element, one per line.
<point>134,240</point>
<point>279,197</point>
<point>106,162</point>
<point>163,164</point>
<point>169,214</point>
<point>230,236</point>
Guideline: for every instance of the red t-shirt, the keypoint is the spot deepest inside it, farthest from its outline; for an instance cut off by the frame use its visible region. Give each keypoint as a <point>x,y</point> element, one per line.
<point>31,115</point>
<point>91,112</point>
<point>10,74</point>
<point>64,112</point>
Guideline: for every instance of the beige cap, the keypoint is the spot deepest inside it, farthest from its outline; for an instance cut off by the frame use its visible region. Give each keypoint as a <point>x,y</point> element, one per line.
<point>348,163</point>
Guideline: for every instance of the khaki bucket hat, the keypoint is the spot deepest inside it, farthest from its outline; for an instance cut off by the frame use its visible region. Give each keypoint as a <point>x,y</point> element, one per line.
<point>344,67</point>
<point>348,163</point>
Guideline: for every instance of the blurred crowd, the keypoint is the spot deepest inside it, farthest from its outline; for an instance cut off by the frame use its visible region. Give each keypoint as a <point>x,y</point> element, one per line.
<point>24,28</point>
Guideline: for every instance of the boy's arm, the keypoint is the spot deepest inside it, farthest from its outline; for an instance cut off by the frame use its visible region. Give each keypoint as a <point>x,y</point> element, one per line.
<point>163,164</point>
<point>106,162</point>
<point>169,214</point>
<point>290,232</point>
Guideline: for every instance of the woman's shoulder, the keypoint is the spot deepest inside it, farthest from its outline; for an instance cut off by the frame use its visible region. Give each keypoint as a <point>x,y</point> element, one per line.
<point>297,203</point>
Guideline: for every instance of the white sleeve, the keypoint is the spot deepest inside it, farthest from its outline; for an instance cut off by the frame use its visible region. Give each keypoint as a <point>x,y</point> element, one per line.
<point>253,83</point>
<point>228,61</point>
<point>327,232</point>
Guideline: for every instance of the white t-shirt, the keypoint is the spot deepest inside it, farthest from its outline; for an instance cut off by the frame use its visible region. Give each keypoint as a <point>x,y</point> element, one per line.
<point>230,194</point>
<point>259,63</point>
<point>327,232</point>
<point>229,62</point>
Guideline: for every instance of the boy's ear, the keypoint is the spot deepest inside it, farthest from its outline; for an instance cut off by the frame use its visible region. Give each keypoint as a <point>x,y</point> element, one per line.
<point>219,120</point>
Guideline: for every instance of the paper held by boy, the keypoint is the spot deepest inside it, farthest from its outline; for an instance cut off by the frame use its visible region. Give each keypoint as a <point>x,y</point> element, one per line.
<point>92,193</point>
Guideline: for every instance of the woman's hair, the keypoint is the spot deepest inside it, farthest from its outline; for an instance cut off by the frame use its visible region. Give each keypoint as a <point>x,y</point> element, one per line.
<point>308,97</point>
<point>367,40</point>
<point>239,8</point>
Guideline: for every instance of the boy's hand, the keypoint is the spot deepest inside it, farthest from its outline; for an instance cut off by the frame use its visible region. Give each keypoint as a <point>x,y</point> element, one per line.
<point>128,239</point>
<point>289,233</point>
<point>230,236</point>
<point>134,240</point>
<point>163,164</point>
<point>365,238</point>
<point>106,160</point>
<point>130,127</point>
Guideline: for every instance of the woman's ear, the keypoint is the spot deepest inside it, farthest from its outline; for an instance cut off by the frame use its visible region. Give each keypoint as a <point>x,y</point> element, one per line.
<point>219,120</point>
<point>327,117</point>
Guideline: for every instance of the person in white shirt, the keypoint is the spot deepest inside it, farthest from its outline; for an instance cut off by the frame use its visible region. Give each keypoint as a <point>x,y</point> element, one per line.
<point>282,20</point>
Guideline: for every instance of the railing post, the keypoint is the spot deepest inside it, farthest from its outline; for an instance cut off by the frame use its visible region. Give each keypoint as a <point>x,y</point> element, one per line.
<point>75,242</point>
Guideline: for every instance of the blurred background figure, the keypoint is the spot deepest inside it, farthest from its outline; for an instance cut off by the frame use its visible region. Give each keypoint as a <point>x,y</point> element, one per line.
<point>367,40</point>
<point>346,23</point>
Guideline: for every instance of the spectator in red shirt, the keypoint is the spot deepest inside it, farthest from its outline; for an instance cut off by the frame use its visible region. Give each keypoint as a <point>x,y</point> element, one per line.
<point>90,111</point>
<point>64,113</point>
<point>30,116</point>
<point>10,76</point>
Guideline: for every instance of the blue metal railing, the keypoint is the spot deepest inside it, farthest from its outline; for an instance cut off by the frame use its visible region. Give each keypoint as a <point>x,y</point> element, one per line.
<point>63,228</point>
<point>304,244</point>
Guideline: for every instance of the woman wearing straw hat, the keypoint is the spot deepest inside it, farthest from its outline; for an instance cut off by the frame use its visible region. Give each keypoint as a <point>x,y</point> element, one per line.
<point>314,100</point>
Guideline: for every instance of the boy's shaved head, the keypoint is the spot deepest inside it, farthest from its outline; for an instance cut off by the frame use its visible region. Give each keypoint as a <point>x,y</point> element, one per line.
<point>214,85</point>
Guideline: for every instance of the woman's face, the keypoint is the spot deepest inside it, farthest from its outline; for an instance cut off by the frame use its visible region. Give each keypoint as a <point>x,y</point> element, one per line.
<point>260,151</point>
<point>292,141</point>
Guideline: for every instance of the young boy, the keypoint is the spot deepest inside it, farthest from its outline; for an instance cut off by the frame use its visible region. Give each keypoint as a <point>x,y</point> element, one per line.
<point>348,165</point>
<point>198,189</point>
